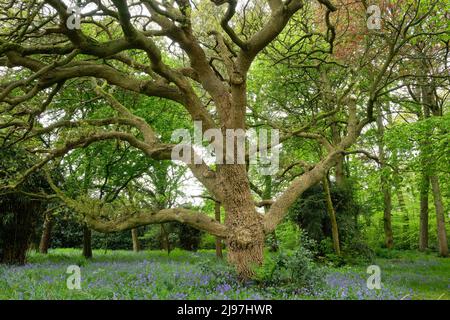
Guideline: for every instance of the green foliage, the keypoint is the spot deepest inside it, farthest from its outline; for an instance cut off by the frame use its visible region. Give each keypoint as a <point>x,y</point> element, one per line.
<point>357,251</point>
<point>311,215</point>
<point>293,269</point>
<point>310,212</point>
<point>405,237</point>
<point>286,236</point>
<point>208,241</point>
<point>112,241</point>
<point>428,137</point>
<point>21,209</point>
<point>189,238</point>
<point>67,231</point>
<point>179,236</point>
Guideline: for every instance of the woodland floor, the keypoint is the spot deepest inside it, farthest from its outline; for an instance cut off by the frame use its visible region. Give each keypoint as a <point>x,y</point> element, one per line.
<point>187,275</point>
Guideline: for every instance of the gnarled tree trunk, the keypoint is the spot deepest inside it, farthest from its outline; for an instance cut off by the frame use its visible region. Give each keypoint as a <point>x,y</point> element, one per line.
<point>245,241</point>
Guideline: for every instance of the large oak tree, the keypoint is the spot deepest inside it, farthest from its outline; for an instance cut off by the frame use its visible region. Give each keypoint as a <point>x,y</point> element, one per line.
<point>174,50</point>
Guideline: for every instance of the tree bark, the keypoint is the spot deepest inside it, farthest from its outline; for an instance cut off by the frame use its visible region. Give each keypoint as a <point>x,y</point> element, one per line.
<point>424,187</point>
<point>267,195</point>
<point>340,172</point>
<point>219,253</point>
<point>134,237</point>
<point>332,214</point>
<point>385,187</point>
<point>16,233</point>
<point>339,167</point>
<point>14,252</point>
<point>165,241</point>
<point>245,241</point>
<point>46,234</point>
<point>87,242</point>
<point>440,216</point>
<point>423,232</point>
<point>387,217</point>
<point>405,215</point>
<point>430,105</point>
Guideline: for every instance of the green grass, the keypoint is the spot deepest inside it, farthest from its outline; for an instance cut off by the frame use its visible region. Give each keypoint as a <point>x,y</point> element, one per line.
<point>425,273</point>
<point>188,275</point>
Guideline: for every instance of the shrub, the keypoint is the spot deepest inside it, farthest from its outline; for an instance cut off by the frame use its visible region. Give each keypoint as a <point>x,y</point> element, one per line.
<point>208,241</point>
<point>179,236</point>
<point>353,252</point>
<point>287,236</point>
<point>310,213</point>
<point>294,269</point>
<point>188,237</point>
<point>357,252</point>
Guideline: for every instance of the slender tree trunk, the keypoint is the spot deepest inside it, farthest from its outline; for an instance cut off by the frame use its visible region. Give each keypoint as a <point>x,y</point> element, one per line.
<point>385,187</point>
<point>87,233</point>
<point>46,234</point>
<point>340,174</point>
<point>267,195</point>
<point>389,238</point>
<point>165,242</point>
<point>87,242</point>
<point>219,253</point>
<point>332,214</point>
<point>440,216</point>
<point>430,104</point>
<point>134,237</point>
<point>425,177</point>
<point>423,232</point>
<point>404,210</point>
